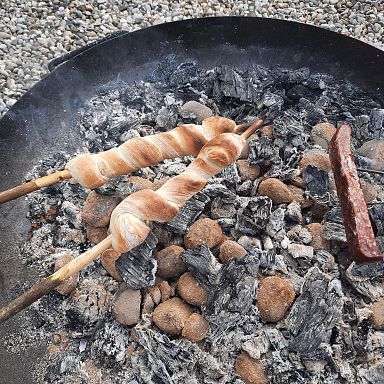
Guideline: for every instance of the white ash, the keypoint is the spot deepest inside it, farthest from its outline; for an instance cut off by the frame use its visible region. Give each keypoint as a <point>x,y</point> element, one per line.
<point>267,231</point>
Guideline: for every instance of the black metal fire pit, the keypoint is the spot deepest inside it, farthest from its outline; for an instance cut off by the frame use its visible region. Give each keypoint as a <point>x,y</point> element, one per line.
<point>42,121</point>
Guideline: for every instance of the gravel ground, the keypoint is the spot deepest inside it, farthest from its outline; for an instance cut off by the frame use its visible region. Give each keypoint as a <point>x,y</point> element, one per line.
<point>34,32</point>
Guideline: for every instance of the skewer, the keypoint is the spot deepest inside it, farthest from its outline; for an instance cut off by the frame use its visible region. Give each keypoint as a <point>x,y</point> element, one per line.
<point>49,283</point>
<point>45,181</point>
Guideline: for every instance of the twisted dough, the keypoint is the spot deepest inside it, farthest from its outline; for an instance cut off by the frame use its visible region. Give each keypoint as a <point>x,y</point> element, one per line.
<point>94,170</point>
<point>128,227</point>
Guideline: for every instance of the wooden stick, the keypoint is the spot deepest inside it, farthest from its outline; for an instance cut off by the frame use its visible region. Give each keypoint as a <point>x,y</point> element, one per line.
<point>33,185</point>
<point>257,124</point>
<point>49,283</point>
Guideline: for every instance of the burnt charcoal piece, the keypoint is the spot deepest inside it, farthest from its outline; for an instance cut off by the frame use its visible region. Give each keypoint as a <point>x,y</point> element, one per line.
<point>218,190</point>
<point>313,315</point>
<point>233,295</point>
<point>376,212</point>
<point>376,124</point>
<point>298,75</point>
<point>298,91</point>
<point>375,373</point>
<point>276,224</point>
<point>116,85</point>
<point>229,83</point>
<point>360,238</point>
<point>313,114</point>
<point>289,124</point>
<point>262,150</point>
<point>188,213</point>
<point>118,124</point>
<point>136,267</point>
<point>223,207</point>
<point>163,70</point>
<point>317,182</point>
<point>230,174</point>
<point>174,361</point>
<point>183,74</point>
<point>253,217</point>
<point>203,265</point>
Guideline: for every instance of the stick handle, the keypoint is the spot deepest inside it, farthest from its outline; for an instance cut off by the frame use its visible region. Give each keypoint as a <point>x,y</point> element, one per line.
<point>33,185</point>
<point>48,284</point>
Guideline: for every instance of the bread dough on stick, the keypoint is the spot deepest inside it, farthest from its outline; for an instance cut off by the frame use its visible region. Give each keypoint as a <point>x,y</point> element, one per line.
<point>94,170</point>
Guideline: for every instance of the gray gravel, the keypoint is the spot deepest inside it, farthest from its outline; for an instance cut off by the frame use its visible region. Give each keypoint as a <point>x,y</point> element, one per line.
<point>34,32</point>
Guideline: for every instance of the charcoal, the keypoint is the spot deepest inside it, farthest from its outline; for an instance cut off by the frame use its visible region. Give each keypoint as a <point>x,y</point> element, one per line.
<point>363,162</point>
<point>232,295</point>
<point>229,83</point>
<point>289,124</point>
<point>298,75</point>
<point>376,212</point>
<point>298,91</point>
<point>174,361</point>
<point>164,70</point>
<point>364,279</point>
<point>375,373</point>
<point>254,215</point>
<point>230,174</point>
<point>188,213</point>
<point>136,267</point>
<point>116,85</point>
<point>376,123</point>
<point>183,74</point>
<point>270,99</point>
<point>203,265</point>
<point>262,151</point>
<point>166,118</point>
<point>313,114</point>
<point>334,231</point>
<point>317,182</point>
<point>276,224</point>
<point>119,124</point>
<point>314,313</point>
<point>222,207</point>
<point>218,190</point>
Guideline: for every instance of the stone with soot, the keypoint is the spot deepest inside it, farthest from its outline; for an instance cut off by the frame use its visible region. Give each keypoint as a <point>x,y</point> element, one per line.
<point>318,241</point>
<point>247,171</point>
<point>315,312</point>
<point>98,209</point>
<point>188,213</point>
<point>195,109</point>
<point>276,190</point>
<point>108,261</point>
<point>191,290</point>
<point>229,249</point>
<point>377,317</point>
<point>274,297</point>
<point>317,158</point>
<point>321,134</point>
<point>169,262</point>
<point>369,190</point>
<point>126,306</point>
<point>250,370</point>
<point>137,267</point>
<point>171,315</point>
<point>203,231</point>
<point>374,150</point>
<point>195,328</point>
<point>69,284</point>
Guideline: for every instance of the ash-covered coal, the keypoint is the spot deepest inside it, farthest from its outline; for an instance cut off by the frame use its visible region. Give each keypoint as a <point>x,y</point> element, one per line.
<point>327,336</point>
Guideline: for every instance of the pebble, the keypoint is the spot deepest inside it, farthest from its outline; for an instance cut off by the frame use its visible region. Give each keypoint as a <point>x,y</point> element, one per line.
<point>126,307</point>
<point>197,109</point>
<point>317,158</point>
<point>318,241</point>
<point>247,171</point>
<point>274,297</point>
<point>191,290</point>
<point>70,284</point>
<point>203,231</point>
<point>166,290</point>
<point>293,212</point>
<point>276,190</point>
<point>369,190</point>
<point>298,195</point>
<point>374,150</point>
<point>96,234</point>
<point>98,209</point>
<point>300,251</point>
<point>108,261</point>
<point>250,370</point>
<point>266,131</point>
<point>322,134</point>
<point>169,262</point>
<point>229,249</point>
<point>195,328</point>
<point>249,242</point>
<point>171,315</point>
<point>377,317</point>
